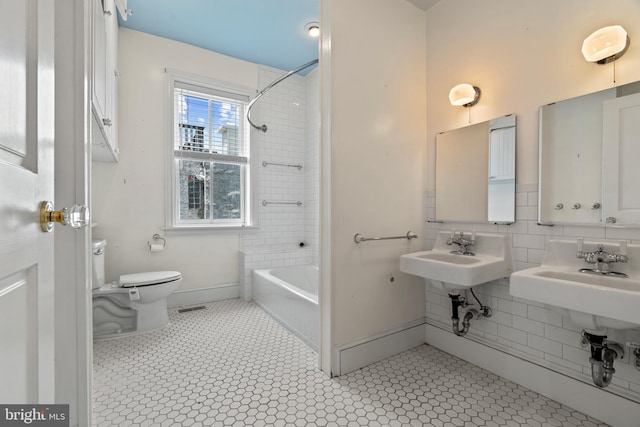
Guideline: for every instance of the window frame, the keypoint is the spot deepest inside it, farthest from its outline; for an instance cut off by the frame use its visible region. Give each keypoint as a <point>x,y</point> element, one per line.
<point>210,86</point>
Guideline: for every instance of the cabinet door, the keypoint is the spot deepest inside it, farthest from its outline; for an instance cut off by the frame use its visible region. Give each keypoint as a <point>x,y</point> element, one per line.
<point>99,60</point>
<point>104,85</point>
<point>620,154</point>
<point>111,113</point>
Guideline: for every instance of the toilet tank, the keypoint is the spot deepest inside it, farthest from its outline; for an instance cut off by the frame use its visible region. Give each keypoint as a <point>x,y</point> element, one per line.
<point>97,262</point>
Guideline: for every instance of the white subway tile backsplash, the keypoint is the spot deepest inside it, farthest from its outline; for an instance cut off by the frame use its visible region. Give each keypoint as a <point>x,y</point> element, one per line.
<point>564,362</point>
<point>526,213</point>
<point>526,328</point>
<point>568,324</point>
<point>521,199</point>
<point>583,231</point>
<point>512,307</point>
<point>437,310</point>
<point>528,350</point>
<point>543,344</point>
<point>526,188</point>
<point>528,325</point>
<point>519,254</point>
<point>622,233</point>
<point>529,241</point>
<point>515,228</point>
<point>502,318</point>
<point>517,266</point>
<point>535,256</point>
<point>577,355</point>
<point>562,335</point>
<point>505,342</point>
<point>512,334</point>
<point>544,315</point>
<point>548,230</point>
<point>618,381</point>
<point>499,289</point>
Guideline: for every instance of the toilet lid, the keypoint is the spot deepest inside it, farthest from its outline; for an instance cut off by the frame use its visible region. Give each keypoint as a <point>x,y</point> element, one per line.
<point>150,278</point>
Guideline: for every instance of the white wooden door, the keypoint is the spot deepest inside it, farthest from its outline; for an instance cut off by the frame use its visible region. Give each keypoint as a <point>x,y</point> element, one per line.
<point>620,154</point>
<point>26,178</point>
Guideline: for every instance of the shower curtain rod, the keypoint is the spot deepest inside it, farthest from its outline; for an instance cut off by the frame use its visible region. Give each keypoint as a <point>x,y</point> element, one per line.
<point>263,128</point>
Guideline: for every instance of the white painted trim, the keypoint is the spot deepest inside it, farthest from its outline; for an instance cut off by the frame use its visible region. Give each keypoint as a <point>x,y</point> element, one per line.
<point>73,335</point>
<point>373,349</point>
<point>585,398</point>
<point>250,186</point>
<point>325,295</point>
<point>202,295</point>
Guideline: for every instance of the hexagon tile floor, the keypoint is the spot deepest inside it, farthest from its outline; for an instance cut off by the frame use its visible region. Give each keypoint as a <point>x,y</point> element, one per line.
<point>233,365</point>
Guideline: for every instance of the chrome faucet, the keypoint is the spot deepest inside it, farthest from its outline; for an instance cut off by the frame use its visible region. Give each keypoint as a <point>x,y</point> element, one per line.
<point>463,244</point>
<point>601,259</point>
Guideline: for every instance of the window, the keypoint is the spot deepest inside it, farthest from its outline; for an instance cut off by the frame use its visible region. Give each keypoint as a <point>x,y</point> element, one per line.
<point>210,157</point>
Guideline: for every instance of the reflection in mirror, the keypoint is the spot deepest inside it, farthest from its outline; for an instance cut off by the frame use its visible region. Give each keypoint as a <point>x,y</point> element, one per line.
<point>588,158</point>
<point>475,172</point>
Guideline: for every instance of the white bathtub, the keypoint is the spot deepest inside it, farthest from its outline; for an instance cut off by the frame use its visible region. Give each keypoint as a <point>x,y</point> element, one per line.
<point>290,295</point>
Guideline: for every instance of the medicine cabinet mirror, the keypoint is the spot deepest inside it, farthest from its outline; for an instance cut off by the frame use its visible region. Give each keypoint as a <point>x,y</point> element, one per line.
<point>589,151</point>
<point>476,172</point>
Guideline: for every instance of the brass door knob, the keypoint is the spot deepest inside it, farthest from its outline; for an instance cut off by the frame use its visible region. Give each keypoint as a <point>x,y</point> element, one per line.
<point>77,216</point>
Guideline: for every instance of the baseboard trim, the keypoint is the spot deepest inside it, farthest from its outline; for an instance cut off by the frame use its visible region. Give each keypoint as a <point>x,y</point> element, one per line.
<point>604,406</point>
<point>202,295</point>
<point>369,350</point>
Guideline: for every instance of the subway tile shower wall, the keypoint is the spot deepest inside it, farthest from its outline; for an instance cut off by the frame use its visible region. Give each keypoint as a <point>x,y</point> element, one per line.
<point>312,166</point>
<point>291,112</point>
<point>524,328</point>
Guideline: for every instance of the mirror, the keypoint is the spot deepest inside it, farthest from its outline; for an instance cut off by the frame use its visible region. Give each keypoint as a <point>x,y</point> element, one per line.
<point>588,158</point>
<point>475,172</point>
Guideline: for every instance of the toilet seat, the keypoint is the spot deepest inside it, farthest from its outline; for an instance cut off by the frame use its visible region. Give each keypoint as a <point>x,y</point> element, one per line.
<point>138,280</point>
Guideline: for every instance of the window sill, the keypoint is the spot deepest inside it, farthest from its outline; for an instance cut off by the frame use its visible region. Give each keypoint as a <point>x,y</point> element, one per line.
<point>206,229</point>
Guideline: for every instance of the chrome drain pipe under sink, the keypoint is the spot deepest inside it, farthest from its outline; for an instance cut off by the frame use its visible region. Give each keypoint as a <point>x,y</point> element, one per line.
<point>603,354</point>
<point>458,301</point>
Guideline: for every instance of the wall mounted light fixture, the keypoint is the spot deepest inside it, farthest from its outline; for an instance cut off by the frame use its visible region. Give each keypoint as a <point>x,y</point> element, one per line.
<point>313,28</point>
<point>464,95</point>
<point>605,45</point>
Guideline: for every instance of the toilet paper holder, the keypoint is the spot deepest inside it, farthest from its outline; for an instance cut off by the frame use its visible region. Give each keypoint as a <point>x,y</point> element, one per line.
<point>158,237</point>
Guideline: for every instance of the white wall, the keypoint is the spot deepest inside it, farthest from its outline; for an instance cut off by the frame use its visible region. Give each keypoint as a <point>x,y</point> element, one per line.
<point>377,104</point>
<point>129,197</point>
<point>523,55</point>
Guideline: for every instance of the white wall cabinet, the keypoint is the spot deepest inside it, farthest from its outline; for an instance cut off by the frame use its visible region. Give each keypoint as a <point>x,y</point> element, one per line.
<point>104,82</point>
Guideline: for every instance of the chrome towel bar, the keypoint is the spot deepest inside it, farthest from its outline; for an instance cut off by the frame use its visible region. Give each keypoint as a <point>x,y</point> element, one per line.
<point>359,239</point>
<point>265,164</point>
<point>265,203</point>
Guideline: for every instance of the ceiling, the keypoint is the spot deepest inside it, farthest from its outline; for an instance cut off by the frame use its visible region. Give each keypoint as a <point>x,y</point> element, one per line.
<point>268,32</point>
<point>423,4</point>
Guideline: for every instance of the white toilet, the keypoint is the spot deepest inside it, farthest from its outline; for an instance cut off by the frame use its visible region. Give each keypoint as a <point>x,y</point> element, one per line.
<point>134,304</point>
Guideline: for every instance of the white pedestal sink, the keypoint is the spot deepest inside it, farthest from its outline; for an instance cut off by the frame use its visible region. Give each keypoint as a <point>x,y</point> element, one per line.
<point>492,260</point>
<point>592,301</point>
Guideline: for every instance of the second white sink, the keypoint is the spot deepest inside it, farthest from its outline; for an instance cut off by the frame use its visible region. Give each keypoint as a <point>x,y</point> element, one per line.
<point>591,301</point>
<point>492,260</point>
